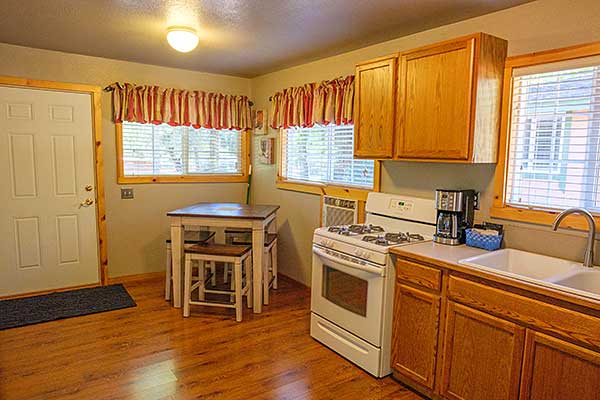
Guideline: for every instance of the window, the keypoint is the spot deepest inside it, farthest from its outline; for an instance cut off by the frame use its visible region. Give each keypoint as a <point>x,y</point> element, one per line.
<point>551,126</point>
<point>179,153</point>
<point>324,155</point>
<point>554,142</point>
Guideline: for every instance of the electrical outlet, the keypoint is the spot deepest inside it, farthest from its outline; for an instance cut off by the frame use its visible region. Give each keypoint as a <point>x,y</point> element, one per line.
<point>126,193</point>
<point>476,201</point>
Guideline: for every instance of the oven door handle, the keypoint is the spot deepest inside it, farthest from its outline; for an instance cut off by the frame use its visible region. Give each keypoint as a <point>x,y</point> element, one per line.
<point>366,268</point>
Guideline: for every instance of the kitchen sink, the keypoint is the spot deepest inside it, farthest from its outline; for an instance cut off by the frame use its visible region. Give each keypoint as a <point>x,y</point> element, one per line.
<point>583,279</point>
<point>564,275</point>
<point>519,263</point>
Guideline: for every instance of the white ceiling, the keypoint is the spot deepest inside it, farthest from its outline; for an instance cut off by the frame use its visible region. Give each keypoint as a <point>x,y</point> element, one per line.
<point>237,37</point>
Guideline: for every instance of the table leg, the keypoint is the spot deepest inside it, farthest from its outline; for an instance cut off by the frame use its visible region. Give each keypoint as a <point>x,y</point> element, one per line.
<point>177,254</point>
<point>258,242</point>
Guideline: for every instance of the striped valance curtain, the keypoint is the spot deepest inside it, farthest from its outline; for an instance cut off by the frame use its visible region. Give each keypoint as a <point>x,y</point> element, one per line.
<point>314,103</point>
<point>157,105</point>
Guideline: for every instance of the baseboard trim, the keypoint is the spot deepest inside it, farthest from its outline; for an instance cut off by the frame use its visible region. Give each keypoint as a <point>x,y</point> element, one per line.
<point>42,292</point>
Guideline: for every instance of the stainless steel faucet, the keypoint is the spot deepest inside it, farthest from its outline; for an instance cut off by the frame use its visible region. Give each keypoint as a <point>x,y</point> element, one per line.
<point>588,259</point>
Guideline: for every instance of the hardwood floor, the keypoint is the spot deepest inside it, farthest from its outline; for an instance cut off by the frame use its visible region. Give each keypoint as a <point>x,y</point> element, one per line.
<point>151,352</point>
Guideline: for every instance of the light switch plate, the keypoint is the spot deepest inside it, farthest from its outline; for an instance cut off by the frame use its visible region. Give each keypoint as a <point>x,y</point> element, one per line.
<point>126,193</point>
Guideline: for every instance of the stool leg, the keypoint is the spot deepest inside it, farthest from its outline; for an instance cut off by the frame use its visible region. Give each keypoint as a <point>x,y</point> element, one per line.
<point>213,271</point>
<point>168,274</point>
<point>202,280</point>
<point>237,271</point>
<point>274,265</point>
<point>225,272</point>
<point>187,286</point>
<point>266,280</point>
<point>248,263</point>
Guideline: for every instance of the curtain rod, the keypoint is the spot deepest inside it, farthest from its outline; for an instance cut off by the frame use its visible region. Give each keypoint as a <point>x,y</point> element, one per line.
<point>110,89</point>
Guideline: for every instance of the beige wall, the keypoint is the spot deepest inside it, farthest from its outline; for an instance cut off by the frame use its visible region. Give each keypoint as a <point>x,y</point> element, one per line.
<point>540,25</point>
<point>136,228</point>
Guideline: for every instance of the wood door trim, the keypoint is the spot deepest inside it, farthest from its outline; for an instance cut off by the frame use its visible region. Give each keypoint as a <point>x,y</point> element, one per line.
<point>95,92</point>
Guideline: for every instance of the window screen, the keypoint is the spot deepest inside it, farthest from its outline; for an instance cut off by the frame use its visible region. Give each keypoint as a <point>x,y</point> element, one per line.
<point>155,150</point>
<point>554,153</point>
<point>324,154</point>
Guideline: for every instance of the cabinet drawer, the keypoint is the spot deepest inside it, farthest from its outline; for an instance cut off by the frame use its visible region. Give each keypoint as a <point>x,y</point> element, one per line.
<point>572,325</point>
<point>419,275</point>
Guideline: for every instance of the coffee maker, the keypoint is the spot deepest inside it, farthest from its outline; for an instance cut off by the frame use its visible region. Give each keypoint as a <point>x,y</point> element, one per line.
<point>455,212</point>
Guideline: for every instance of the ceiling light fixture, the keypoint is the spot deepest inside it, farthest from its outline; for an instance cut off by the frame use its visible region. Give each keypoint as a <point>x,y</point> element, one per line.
<point>182,39</point>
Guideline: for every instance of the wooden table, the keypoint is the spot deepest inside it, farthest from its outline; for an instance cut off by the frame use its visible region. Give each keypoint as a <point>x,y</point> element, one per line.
<point>225,215</point>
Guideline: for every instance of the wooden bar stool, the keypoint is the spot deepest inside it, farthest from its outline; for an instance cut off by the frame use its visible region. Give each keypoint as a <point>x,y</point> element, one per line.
<point>239,256</point>
<point>269,267</point>
<point>190,238</point>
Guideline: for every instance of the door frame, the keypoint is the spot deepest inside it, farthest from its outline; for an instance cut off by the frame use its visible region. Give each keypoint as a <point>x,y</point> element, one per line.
<point>96,93</point>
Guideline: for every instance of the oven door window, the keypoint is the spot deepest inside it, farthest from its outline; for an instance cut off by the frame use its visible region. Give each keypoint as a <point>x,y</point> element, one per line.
<point>346,291</point>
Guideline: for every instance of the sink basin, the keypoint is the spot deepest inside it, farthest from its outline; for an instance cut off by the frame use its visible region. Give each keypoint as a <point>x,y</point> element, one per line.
<point>582,279</point>
<point>517,263</point>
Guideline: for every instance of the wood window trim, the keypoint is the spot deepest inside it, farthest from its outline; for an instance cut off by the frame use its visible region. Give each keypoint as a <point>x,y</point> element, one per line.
<point>499,207</point>
<point>95,93</point>
<point>216,178</point>
<point>342,191</point>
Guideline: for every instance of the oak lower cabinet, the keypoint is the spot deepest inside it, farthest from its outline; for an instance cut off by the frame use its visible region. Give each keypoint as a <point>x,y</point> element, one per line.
<point>415,340</point>
<point>458,336</point>
<point>374,108</point>
<point>482,357</point>
<point>558,370</point>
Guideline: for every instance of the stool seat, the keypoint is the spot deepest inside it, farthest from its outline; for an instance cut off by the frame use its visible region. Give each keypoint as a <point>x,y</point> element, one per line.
<point>269,239</point>
<point>191,237</point>
<point>217,249</point>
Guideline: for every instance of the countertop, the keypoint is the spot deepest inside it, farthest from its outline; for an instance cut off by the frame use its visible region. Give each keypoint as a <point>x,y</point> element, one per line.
<point>445,256</point>
<point>225,210</point>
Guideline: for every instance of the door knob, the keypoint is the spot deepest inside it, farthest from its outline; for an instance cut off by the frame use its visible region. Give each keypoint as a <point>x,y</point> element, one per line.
<point>87,202</point>
<point>89,188</point>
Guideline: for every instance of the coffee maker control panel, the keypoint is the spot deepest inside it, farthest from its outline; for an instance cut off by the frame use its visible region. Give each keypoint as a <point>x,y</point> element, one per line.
<point>449,200</point>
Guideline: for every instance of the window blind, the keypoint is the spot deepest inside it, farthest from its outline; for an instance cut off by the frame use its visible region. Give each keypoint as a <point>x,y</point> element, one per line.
<point>554,153</point>
<point>155,150</point>
<point>324,154</point>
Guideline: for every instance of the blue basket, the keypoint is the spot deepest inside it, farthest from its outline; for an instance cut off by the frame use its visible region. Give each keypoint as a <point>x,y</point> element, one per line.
<point>487,242</point>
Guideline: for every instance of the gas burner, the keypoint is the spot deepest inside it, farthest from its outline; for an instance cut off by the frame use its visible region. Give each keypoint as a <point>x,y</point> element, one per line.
<point>356,229</point>
<point>379,239</point>
<point>390,239</point>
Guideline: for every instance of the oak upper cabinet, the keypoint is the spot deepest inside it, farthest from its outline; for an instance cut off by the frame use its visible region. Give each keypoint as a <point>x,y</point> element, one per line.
<point>482,356</point>
<point>558,370</point>
<point>374,108</point>
<point>448,100</point>
<point>415,338</point>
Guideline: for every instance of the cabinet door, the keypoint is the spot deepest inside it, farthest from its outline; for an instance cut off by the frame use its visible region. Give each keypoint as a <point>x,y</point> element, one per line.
<point>415,334</point>
<point>374,108</point>
<point>482,355</point>
<point>434,102</point>
<point>557,370</point>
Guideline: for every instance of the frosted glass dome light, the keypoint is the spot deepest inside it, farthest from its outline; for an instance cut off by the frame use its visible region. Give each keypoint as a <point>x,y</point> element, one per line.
<point>182,39</point>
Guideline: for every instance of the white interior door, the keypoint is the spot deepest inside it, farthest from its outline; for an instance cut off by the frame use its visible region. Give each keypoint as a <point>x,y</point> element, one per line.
<point>49,239</point>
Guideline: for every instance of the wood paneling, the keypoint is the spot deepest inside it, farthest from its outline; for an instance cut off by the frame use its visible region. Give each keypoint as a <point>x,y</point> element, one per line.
<point>151,352</point>
<point>415,334</point>
<point>419,275</point>
<point>557,370</point>
<point>482,356</point>
<point>374,108</point>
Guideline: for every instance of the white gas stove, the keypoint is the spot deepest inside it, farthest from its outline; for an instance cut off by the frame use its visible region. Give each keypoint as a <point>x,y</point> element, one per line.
<point>352,277</point>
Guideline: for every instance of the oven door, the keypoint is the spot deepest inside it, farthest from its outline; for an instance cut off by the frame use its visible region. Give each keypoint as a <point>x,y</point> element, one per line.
<point>348,294</point>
